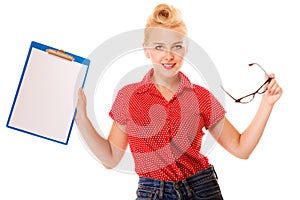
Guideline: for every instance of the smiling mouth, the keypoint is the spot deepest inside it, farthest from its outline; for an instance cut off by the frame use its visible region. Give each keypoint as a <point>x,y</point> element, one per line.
<point>169,65</point>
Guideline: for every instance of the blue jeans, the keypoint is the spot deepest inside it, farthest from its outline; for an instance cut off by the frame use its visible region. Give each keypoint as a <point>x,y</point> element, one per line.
<point>202,186</point>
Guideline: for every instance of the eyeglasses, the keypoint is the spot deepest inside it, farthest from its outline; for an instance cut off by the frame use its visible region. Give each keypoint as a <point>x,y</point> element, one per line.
<point>248,98</point>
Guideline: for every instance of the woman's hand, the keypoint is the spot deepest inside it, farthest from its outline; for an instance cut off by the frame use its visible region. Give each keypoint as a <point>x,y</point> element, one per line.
<point>274,91</point>
<point>81,106</point>
<point>108,151</point>
<point>242,144</point>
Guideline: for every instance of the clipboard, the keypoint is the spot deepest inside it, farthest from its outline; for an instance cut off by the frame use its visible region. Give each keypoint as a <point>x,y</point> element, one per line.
<point>46,96</point>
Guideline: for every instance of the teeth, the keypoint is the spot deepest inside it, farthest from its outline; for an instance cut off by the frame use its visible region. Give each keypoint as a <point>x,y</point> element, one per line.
<point>168,65</point>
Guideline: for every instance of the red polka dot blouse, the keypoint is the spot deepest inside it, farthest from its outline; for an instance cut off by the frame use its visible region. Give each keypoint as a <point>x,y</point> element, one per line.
<point>165,136</point>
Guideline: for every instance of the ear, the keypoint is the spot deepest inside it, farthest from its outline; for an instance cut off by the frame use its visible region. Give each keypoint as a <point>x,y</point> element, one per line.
<point>187,46</point>
<point>187,49</point>
<point>146,50</point>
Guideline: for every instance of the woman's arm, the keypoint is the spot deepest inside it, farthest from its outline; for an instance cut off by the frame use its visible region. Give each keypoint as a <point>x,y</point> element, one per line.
<point>242,144</point>
<point>108,151</point>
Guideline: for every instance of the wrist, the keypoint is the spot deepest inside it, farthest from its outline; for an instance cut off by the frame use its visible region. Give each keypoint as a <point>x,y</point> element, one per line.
<point>266,105</point>
<point>81,119</point>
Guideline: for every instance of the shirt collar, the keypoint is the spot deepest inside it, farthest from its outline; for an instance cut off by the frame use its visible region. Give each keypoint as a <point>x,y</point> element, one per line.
<point>147,84</point>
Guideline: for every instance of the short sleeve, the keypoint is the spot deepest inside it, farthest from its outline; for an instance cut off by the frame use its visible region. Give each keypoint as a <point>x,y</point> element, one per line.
<point>118,110</point>
<point>211,109</point>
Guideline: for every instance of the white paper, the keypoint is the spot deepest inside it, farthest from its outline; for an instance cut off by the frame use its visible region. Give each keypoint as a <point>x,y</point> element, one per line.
<point>45,102</point>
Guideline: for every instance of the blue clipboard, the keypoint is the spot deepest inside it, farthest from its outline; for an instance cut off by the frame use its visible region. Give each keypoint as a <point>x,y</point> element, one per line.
<point>46,96</point>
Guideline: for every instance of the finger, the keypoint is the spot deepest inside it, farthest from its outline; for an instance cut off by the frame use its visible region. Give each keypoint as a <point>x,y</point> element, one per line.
<point>278,90</point>
<point>272,75</point>
<point>80,100</point>
<point>270,83</point>
<point>81,95</point>
<point>274,88</point>
<point>79,91</point>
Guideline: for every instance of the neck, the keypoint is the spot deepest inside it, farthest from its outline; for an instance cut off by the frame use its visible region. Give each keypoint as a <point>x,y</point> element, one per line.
<point>170,83</point>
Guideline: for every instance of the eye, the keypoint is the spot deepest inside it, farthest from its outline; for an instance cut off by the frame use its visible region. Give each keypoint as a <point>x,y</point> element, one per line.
<point>178,46</point>
<point>159,47</point>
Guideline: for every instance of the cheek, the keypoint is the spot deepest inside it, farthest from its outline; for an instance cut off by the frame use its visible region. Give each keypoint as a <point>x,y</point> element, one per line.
<point>179,60</point>
<point>156,57</point>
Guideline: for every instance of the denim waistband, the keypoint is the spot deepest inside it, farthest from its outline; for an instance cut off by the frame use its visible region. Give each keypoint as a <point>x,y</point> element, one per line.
<point>185,185</point>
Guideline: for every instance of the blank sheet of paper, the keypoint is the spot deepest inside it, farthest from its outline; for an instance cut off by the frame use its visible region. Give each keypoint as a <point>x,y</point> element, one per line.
<point>45,103</point>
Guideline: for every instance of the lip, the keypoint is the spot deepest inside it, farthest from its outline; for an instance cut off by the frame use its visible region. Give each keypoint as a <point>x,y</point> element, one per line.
<point>168,65</point>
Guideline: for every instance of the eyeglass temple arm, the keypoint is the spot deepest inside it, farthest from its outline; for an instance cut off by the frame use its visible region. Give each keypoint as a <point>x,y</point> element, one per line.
<point>236,100</point>
<point>251,64</point>
<point>267,81</point>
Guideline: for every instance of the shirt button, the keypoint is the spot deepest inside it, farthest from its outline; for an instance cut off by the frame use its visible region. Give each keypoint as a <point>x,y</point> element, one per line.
<point>176,186</point>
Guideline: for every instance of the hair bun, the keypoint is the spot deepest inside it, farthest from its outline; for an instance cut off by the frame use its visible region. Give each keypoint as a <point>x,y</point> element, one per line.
<point>166,15</point>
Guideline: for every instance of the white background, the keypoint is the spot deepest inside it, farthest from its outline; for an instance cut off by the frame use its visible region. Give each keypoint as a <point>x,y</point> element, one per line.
<point>233,33</point>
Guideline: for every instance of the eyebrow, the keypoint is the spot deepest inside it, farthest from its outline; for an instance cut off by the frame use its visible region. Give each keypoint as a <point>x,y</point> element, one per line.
<point>161,43</point>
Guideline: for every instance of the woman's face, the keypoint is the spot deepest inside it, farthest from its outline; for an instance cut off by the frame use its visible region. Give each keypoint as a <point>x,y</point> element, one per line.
<point>166,48</point>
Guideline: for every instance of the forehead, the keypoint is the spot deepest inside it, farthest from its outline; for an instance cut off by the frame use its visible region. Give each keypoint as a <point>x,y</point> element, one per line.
<point>166,36</point>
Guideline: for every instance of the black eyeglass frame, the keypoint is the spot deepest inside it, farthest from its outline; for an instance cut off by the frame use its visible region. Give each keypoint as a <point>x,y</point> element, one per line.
<point>239,100</point>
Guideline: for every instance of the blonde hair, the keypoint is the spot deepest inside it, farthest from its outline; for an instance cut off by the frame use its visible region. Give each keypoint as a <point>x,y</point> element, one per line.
<point>165,16</point>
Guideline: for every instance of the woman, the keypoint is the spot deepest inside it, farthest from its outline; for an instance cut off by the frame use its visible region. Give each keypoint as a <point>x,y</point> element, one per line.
<point>162,117</point>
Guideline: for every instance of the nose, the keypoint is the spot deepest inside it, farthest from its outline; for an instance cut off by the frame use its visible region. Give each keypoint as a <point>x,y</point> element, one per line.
<point>169,55</point>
